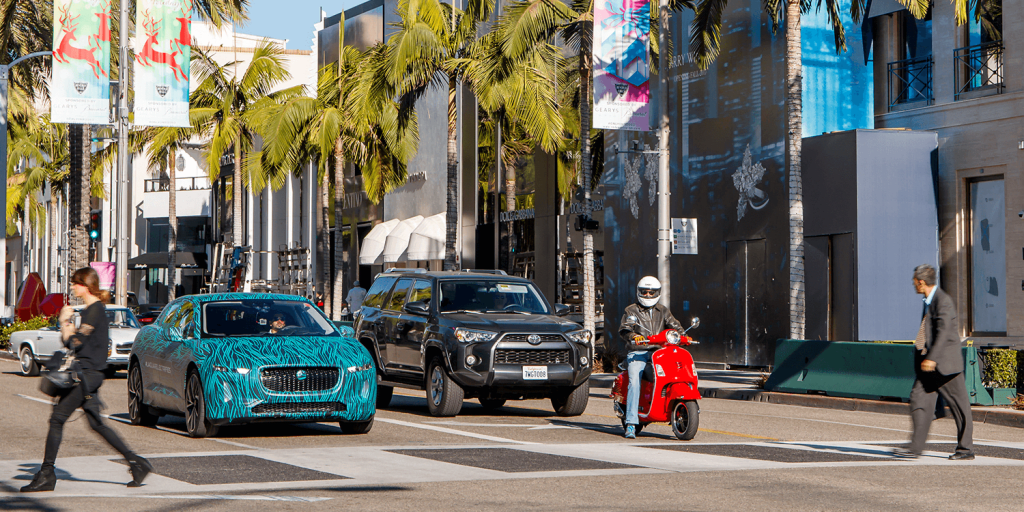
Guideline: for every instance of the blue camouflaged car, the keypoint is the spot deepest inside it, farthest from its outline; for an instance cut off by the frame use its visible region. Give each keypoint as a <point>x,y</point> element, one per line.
<point>238,358</point>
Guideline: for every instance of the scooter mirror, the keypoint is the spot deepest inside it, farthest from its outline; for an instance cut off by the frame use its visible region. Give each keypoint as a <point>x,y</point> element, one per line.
<point>695,322</point>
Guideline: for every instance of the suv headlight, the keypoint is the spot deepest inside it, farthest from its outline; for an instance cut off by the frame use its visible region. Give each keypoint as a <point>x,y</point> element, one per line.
<point>581,336</point>
<point>471,336</point>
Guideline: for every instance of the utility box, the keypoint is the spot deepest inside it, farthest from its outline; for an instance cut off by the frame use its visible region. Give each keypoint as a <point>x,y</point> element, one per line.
<point>870,217</point>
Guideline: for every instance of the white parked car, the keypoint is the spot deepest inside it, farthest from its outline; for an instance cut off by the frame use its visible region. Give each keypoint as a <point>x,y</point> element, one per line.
<point>39,345</point>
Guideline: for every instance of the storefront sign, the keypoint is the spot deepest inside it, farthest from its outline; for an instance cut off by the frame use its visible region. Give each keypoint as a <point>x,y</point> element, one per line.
<point>163,49</point>
<point>517,215</point>
<point>80,83</point>
<point>621,64</point>
<point>596,205</point>
<point>684,236</point>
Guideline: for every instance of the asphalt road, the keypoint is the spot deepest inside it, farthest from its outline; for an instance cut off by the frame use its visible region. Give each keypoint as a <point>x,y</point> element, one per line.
<point>747,455</point>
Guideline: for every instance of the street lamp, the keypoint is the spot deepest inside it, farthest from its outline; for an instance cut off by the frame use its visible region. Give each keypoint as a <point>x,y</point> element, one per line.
<point>3,165</point>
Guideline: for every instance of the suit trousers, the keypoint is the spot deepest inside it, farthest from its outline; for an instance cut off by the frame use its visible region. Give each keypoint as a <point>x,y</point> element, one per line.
<point>928,386</point>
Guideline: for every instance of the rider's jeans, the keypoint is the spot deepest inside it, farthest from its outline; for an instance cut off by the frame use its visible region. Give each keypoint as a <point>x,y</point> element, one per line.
<point>635,363</point>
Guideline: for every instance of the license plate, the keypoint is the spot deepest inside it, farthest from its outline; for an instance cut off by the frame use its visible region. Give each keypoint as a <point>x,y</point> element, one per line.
<point>535,373</point>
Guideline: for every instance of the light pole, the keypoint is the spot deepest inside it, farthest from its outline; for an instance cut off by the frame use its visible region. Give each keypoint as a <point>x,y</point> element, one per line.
<point>121,266</point>
<point>3,165</point>
<point>664,212</point>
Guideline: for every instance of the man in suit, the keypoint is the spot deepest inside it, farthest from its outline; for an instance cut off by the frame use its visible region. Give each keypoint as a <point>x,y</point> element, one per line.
<point>939,368</point>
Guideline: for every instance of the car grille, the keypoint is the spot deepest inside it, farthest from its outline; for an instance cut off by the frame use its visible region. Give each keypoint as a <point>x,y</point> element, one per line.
<point>287,379</point>
<point>523,337</point>
<point>299,407</point>
<point>124,349</point>
<point>513,356</point>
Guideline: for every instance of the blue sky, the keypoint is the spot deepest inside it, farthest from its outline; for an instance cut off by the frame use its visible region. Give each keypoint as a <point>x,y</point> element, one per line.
<point>290,19</point>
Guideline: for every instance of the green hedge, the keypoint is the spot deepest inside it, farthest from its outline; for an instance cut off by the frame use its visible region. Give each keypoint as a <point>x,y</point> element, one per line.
<point>31,324</point>
<point>1001,371</point>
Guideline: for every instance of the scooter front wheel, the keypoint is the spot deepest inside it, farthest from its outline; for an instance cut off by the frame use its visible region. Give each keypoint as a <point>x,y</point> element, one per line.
<point>685,418</point>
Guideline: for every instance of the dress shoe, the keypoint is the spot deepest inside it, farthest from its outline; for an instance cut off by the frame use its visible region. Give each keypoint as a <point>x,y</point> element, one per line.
<point>962,456</point>
<point>45,480</point>
<point>903,453</point>
<point>139,468</point>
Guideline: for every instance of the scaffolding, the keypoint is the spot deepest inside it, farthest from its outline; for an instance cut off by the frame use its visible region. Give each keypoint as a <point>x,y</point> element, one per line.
<point>232,268</point>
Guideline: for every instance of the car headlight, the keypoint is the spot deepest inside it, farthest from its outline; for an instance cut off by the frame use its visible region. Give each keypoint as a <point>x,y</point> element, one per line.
<point>363,368</point>
<point>581,336</point>
<point>471,336</point>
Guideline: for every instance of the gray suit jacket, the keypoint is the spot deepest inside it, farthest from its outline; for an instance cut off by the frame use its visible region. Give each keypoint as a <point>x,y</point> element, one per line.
<point>942,343</point>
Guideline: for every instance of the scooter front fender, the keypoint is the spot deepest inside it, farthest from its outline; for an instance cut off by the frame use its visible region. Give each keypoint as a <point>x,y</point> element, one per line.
<point>684,390</point>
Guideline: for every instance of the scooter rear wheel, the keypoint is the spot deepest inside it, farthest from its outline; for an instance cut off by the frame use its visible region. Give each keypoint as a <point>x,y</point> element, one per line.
<point>685,418</point>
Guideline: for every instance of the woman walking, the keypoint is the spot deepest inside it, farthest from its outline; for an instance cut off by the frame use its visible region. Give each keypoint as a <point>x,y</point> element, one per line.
<point>89,344</point>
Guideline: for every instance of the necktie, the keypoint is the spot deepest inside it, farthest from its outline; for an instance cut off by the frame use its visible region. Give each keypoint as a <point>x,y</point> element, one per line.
<point>919,341</point>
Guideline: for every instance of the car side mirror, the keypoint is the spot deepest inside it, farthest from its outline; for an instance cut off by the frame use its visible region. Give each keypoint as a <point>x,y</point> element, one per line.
<point>418,307</point>
<point>562,310</point>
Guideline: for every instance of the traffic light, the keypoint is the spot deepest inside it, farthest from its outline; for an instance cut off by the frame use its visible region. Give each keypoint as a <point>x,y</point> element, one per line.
<point>95,224</point>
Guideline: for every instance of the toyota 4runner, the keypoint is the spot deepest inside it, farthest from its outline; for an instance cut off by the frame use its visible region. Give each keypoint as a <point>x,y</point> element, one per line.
<point>478,335</point>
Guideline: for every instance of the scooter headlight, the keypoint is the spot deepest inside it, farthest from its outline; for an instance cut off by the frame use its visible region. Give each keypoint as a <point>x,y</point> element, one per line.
<point>672,337</point>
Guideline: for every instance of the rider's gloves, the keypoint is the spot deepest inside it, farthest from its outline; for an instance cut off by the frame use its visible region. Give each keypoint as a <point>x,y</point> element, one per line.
<point>639,340</point>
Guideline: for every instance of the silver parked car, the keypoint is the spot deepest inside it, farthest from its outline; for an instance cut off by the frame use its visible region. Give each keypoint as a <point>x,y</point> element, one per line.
<point>38,345</point>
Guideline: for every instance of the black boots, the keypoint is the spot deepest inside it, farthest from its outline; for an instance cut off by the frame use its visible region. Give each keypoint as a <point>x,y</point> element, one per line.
<point>139,468</point>
<point>45,480</point>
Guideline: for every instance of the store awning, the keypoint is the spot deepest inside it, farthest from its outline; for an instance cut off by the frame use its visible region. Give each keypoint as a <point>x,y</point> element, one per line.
<point>159,260</point>
<point>398,239</point>
<point>427,241</point>
<point>372,246</point>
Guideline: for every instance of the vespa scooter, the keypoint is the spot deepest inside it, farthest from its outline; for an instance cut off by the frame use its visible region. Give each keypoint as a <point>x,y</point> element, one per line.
<point>668,390</point>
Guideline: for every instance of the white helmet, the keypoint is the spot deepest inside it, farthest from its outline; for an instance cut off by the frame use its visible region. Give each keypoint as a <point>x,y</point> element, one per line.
<point>648,291</point>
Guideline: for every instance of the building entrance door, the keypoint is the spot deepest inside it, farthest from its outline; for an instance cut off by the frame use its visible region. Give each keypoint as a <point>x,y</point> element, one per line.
<point>746,303</point>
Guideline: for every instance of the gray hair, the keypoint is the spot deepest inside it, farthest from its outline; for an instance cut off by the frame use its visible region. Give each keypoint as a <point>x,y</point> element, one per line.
<point>925,273</point>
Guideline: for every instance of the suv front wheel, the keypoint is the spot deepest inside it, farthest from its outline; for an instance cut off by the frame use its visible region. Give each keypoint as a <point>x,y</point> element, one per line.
<point>572,403</point>
<point>444,396</point>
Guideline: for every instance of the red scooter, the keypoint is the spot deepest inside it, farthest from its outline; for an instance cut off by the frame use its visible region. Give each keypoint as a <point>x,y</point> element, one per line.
<point>668,390</point>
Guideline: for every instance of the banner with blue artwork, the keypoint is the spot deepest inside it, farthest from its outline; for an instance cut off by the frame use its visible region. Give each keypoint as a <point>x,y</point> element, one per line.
<point>80,84</point>
<point>622,64</point>
<point>163,48</point>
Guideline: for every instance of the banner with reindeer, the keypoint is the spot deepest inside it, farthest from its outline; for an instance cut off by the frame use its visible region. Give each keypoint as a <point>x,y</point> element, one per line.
<point>163,48</point>
<point>80,83</point>
<point>622,32</point>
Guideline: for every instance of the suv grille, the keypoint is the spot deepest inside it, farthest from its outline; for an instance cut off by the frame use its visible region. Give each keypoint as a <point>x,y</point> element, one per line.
<point>513,356</point>
<point>287,379</point>
<point>523,337</point>
<point>299,407</point>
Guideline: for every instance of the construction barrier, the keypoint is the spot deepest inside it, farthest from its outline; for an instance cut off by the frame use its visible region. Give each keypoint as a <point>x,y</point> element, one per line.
<point>875,371</point>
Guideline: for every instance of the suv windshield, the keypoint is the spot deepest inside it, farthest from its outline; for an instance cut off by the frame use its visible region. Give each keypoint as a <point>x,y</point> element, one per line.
<point>264,317</point>
<point>490,296</point>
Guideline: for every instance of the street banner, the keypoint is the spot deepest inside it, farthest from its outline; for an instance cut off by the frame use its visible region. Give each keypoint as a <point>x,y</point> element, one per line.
<point>107,273</point>
<point>163,48</point>
<point>621,64</point>
<point>80,83</point>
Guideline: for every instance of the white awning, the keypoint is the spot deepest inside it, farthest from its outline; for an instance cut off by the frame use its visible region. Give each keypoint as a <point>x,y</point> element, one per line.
<point>427,241</point>
<point>373,245</point>
<point>398,239</point>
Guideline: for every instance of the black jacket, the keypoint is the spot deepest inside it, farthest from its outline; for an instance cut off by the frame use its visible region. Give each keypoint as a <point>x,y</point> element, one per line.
<point>652,321</point>
<point>941,342</point>
<point>92,340</point>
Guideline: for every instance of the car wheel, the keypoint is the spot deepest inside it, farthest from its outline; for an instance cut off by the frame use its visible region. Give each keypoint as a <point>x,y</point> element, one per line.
<point>492,403</point>
<point>574,402</point>
<point>444,396</point>
<point>28,362</point>
<point>138,411</point>
<point>356,427</point>
<point>685,418</point>
<point>195,409</point>
<point>384,394</point>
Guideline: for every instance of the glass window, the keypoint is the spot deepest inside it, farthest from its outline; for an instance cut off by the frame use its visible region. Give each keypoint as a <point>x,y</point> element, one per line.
<point>397,299</point>
<point>985,24</point>
<point>168,314</point>
<point>421,291</point>
<point>263,317</point>
<point>375,295</point>
<point>122,319</point>
<point>490,297</point>
<point>988,257</point>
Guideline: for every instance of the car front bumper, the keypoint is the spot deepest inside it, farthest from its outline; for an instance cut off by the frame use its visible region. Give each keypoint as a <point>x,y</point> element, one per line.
<point>491,372</point>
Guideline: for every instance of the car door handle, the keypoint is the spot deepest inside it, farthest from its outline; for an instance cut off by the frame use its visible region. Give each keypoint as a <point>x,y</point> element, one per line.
<point>39,337</point>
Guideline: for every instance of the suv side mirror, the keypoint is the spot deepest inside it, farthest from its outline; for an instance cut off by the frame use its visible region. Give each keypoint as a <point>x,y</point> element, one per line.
<point>419,308</point>
<point>561,310</point>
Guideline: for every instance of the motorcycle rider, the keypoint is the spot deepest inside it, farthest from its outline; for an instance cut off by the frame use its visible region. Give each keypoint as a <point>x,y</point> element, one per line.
<point>650,318</point>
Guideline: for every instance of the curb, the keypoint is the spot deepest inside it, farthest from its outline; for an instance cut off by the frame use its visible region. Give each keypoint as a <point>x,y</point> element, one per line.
<point>4,354</point>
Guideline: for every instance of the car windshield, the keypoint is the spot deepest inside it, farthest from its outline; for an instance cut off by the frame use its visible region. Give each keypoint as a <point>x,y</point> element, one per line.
<point>264,317</point>
<point>490,297</point>
<point>122,319</point>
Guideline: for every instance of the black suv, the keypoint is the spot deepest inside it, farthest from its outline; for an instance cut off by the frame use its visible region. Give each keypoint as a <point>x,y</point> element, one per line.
<point>473,335</point>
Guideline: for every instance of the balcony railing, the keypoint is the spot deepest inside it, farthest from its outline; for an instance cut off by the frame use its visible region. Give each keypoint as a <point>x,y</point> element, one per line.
<point>910,81</point>
<point>978,67</point>
<point>159,185</point>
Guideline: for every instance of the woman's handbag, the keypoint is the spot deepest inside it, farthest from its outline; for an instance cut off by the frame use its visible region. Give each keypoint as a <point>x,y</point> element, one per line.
<point>60,381</point>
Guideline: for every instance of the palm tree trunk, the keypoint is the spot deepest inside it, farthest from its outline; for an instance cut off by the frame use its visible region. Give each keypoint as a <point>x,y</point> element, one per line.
<point>236,201</point>
<point>794,146</point>
<point>589,293</point>
<point>325,238</point>
<point>339,221</point>
<point>80,195</point>
<point>452,187</point>
<point>172,228</point>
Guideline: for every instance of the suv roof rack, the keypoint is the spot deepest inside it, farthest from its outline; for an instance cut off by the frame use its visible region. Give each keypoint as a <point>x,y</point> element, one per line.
<point>496,272</point>
<point>411,270</point>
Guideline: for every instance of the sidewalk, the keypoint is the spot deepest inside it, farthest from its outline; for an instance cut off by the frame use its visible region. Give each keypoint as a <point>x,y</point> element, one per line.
<point>741,385</point>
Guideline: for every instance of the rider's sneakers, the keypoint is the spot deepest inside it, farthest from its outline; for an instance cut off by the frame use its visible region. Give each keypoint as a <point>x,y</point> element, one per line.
<point>630,432</point>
